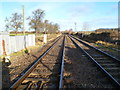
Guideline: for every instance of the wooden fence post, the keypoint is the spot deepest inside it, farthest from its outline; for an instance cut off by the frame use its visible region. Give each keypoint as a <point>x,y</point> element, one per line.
<point>4,49</point>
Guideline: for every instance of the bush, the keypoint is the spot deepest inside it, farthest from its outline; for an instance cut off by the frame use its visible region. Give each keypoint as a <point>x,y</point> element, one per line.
<point>27,51</point>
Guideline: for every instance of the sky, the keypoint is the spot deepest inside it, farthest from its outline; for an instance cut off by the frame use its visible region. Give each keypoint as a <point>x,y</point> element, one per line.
<point>93,14</point>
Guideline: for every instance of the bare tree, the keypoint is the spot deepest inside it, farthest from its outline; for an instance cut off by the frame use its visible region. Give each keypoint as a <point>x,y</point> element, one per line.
<point>55,27</point>
<point>52,28</point>
<point>8,24</point>
<point>36,20</point>
<point>14,22</point>
<point>46,26</point>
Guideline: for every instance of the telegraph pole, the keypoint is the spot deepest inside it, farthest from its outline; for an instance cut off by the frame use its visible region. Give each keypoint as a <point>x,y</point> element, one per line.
<point>23,19</point>
<point>23,26</point>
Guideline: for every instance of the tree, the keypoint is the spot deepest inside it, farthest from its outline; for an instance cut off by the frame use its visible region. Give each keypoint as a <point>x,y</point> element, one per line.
<point>46,26</point>
<point>14,23</point>
<point>52,28</point>
<point>56,27</point>
<point>36,20</point>
<point>7,26</point>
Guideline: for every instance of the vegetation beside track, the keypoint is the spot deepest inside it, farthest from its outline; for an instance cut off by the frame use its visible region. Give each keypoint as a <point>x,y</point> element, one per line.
<point>103,39</point>
<point>107,45</point>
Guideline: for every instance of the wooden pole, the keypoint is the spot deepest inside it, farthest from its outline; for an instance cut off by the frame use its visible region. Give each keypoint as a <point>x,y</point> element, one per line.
<point>23,18</point>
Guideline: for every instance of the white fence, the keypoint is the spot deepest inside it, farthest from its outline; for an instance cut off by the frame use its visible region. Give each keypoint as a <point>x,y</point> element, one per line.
<point>10,44</point>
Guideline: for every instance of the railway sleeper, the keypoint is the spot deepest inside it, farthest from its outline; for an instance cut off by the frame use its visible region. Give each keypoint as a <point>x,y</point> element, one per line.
<point>44,73</point>
<point>97,55</point>
<point>109,64</point>
<point>44,68</point>
<point>39,69</point>
<point>50,62</point>
<point>104,61</point>
<point>112,69</point>
<point>115,74</point>
<point>100,58</point>
<point>48,65</point>
<point>33,79</point>
<point>31,85</point>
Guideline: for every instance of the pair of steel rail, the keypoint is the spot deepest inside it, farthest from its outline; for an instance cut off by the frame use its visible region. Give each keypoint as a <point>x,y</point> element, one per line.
<point>111,77</point>
<point>19,81</point>
<point>24,75</point>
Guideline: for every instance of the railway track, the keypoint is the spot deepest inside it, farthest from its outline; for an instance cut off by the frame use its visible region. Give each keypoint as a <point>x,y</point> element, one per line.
<point>47,71</point>
<point>109,65</point>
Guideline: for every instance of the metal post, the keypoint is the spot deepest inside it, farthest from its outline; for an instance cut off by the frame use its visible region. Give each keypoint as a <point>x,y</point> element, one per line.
<point>75,26</point>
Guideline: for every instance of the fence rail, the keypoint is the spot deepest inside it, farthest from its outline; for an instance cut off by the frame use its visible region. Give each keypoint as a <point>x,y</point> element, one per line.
<point>10,44</point>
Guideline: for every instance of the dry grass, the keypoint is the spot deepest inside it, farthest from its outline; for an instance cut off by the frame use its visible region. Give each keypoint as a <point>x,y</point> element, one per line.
<point>106,44</point>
